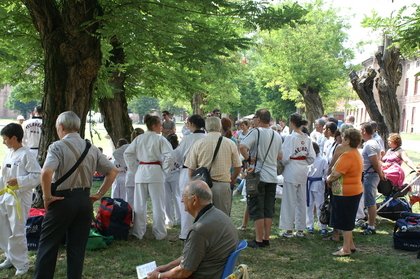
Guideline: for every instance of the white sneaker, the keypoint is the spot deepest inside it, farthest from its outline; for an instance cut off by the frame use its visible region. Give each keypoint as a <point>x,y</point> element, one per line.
<point>22,271</point>
<point>299,234</point>
<point>6,264</point>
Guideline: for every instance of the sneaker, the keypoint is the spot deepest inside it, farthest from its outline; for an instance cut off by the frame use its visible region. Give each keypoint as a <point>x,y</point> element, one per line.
<point>6,264</point>
<point>300,234</point>
<point>369,231</point>
<point>266,242</point>
<point>324,232</point>
<point>254,244</point>
<point>360,223</point>
<point>310,230</point>
<point>243,200</point>
<point>23,271</point>
<point>287,235</point>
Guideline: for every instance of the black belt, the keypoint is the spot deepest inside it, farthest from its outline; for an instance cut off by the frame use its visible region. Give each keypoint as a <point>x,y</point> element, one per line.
<point>34,148</point>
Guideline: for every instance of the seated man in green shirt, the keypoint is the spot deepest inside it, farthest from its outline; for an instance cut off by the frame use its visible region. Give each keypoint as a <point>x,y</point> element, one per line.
<point>209,243</point>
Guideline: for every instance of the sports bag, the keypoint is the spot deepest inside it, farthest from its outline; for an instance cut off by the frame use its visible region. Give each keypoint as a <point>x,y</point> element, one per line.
<point>114,218</point>
<point>33,228</point>
<point>407,232</point>
<point>325,208</point>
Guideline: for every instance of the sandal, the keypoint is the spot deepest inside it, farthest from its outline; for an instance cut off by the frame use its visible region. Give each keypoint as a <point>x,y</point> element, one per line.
<point>241,228</point>
<point>351,250</point>
<point>340,253</point>
<point>331,238</point>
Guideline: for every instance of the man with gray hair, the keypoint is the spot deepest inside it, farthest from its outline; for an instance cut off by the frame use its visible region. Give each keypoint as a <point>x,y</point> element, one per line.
<point>317,134</point>
<point>201,155</point>
<point>69,204</point>
<point>210,241</point>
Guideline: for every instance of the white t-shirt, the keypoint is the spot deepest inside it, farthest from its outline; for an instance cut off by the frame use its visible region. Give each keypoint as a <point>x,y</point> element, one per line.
<point>269,169</point>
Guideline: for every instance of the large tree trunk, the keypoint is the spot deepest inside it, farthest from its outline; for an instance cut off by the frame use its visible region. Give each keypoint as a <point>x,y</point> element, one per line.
<point>197,103</point>
<point>390,73</point>
<point>313,104</point>
<point>72,59</point>
<point>364,89</point>
<point>116,119</point>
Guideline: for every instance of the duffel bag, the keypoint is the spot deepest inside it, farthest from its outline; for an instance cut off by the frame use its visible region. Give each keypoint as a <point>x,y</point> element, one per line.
<point>407,232</point>
<point>33,227</point>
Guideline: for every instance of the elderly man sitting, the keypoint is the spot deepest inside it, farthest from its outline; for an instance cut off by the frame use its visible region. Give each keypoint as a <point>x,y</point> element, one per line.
<point>209,243</point>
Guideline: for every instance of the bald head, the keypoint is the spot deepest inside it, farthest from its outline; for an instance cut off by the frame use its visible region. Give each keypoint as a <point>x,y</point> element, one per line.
<point>201,190</point>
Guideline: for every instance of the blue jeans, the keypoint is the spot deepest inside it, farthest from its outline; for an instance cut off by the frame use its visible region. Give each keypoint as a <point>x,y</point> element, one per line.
<point>370,185</point>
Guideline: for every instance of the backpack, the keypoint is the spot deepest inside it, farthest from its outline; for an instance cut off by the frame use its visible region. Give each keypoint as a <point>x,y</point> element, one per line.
<point>33,228</point>
<point>114,218</point>
<point>407,232</point>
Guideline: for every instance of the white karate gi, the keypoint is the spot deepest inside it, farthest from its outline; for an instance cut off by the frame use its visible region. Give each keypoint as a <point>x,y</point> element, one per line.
<point>172,194</point>
<point>32,131</point>
<point>149,178</point>
<point>22,165</point>
<point>118,189</point>
<point>180,153</point>
<point>293,205</point>
<point>317,189</point>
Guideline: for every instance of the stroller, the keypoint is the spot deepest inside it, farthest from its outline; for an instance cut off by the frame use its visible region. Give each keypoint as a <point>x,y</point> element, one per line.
<point>394,203</point>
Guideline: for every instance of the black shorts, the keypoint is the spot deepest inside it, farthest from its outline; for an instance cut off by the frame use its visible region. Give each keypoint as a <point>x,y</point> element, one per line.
<point>344,210</point>
<point>262,205</point>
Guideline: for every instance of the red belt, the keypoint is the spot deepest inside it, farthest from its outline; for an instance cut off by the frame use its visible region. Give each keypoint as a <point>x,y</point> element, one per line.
<point>149,163</point>
<point>300,158</point>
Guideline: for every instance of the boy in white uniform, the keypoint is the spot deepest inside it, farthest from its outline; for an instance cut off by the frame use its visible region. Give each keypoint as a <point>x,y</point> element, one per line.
<point>152,151</point>
<point>20,174</point>
<point>118,186</point>
<point>315,190</point>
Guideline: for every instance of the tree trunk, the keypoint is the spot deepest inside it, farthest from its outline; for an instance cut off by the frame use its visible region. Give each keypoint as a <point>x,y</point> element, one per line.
<point>72,57</point>
<point>390,73</point>
<point>197,102</point>
<point>116,119</point>
<point>364,89</point>
<point>313,104</point>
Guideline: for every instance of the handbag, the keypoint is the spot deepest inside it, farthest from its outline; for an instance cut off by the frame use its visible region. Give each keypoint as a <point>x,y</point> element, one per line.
<point>203,173</point>
<point>325,207</point>
<point>253,178</point>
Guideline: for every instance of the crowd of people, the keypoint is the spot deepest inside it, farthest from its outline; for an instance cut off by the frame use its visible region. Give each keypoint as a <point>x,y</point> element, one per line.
<point>156,165</point>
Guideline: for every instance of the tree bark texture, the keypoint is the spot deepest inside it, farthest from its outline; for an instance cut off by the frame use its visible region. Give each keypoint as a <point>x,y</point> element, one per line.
<point>197,103</point>
<point>364,89</point>
<point>390,73</point>
<point>314,108</point>
<point>116,119</point>
<point>72,57</point>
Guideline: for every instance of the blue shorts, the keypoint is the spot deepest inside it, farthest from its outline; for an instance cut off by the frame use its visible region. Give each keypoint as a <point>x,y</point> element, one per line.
<point>370,185</point>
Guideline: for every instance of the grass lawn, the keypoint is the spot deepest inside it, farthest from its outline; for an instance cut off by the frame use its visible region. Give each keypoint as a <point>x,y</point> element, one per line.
<point>285,258</point>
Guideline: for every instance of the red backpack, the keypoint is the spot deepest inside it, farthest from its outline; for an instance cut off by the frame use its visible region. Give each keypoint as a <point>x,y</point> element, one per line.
<point>114,218</point>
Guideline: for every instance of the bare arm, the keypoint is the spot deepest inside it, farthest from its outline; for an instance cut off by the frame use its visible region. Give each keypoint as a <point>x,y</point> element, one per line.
<point>109,178</point>
<point>376,164</point>
<point>170,270</point>
<point>46,178</point>
<point>244,151</point>
<point>408,161</point>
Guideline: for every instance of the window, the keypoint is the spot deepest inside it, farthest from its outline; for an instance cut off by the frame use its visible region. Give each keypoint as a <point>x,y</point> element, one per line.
<point>418,63</point>
<point>408,66</point>
<point>416,82</point>
<point>413,113</point>
<point>406,87</point>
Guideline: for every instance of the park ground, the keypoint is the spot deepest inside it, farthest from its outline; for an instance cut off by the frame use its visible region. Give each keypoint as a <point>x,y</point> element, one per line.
<point>309,257</point>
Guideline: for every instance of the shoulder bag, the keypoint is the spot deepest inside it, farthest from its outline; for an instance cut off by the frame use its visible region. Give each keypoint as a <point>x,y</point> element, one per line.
<point>253,178</point>
<point>203,173</point>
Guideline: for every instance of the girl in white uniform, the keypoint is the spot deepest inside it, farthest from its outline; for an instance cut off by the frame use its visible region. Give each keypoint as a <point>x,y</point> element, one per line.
<point>298,154</point>
<point>153,152</point>
<point>20,174</point>
<point>172,209</point>
<point>196,125</point>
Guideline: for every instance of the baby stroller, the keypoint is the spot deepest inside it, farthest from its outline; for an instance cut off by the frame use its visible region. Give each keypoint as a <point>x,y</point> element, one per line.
<point>394,203</point>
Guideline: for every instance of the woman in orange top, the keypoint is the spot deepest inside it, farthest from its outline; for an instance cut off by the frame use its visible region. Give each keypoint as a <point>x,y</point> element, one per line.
<point>345,181</point>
